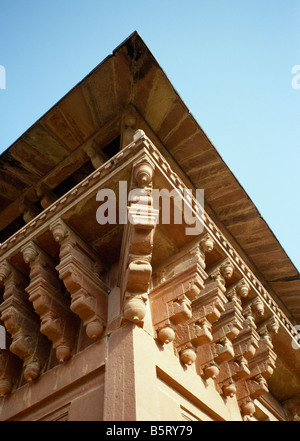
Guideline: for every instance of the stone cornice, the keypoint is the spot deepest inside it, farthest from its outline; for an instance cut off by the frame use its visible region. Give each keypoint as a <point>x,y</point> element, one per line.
<point>88,186</point>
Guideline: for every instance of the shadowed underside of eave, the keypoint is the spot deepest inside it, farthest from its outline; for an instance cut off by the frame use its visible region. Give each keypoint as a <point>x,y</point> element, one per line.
<point>55,148</point>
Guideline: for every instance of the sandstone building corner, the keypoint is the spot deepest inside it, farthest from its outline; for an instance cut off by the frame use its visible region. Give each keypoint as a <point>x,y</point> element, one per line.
<point>138,320</point>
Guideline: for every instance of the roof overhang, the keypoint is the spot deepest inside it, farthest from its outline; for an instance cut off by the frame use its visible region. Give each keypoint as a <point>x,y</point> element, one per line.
<point>130,83</point>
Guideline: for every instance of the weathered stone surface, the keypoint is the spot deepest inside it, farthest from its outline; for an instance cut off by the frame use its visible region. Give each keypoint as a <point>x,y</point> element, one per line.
<point>148,322</point>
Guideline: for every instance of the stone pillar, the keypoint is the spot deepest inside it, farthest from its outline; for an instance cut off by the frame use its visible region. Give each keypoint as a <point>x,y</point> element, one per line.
<point>130,392</point>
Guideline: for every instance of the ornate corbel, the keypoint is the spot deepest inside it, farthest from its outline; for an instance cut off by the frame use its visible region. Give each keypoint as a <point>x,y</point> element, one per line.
<point>45,195</point>
<point>10,370</point>
<point>206,245</point>
<point>245,344</point>
<point>207,309</point>
<point>221,350</point>
<point>254,308</point>
<point>232,362</point>
<point>135,265</point>
<point>221,272</point>
<point>239,290</point>
<point>80,269</point>
<point>177,285</point>
<point>96,156</point>
<point>22,323</point>
<point>45,292</point>
<point>261,366</point>
<point>29,210</point>
<point>128,126</point>
<point>292,408</point>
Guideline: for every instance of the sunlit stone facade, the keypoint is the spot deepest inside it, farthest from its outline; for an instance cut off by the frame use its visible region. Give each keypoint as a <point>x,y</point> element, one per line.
<point>134,318</point>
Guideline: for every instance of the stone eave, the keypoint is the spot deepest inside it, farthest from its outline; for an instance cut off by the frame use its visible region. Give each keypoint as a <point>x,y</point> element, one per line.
<point>105,176</point>
<point>91,113</point>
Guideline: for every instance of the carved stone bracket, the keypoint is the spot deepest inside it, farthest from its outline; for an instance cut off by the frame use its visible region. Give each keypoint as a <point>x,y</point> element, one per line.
<point>245,347</point>
<point>22,323</point>
<point>10,368</point>
<point>221,272</point>
<point>232,359</point>
<point>180,283</point>
<point>292,408</point>
<point>45,195</point>
<point>45,292</point>
<point>261,366</point>
<point>29,210</point>
<point>80,269</point>
<point>136,254</point>
<point>207,309</point>
<point>214,357</point>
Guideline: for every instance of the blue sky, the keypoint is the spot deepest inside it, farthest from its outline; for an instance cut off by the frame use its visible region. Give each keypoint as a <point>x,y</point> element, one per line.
<point>231,62</point>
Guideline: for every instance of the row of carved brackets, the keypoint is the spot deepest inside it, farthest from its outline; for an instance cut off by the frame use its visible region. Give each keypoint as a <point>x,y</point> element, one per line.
<point>135,262</point>
<point>141,145</point>
<point>47,314</point>
<point>59,294</point>
<point>216,325</point>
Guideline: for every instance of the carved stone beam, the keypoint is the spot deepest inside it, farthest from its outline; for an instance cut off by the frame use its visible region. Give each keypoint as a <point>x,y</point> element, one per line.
<point>135,264</point>
<point>58,323</point>
<point>45,195</point>
<point>80,269</point>
<point>22,323</point>
<point>29,210</point>
<point>96,155</point>
<point>181,283</point>
<point>10,370</point>
<point>245,344</point>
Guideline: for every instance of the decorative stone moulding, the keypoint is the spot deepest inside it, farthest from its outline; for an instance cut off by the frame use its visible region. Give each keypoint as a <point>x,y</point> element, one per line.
<point>176,287</point>
<point>80,269</point>
<point>22,323</point>
<point>135,264</point>
<point>45,292</point>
